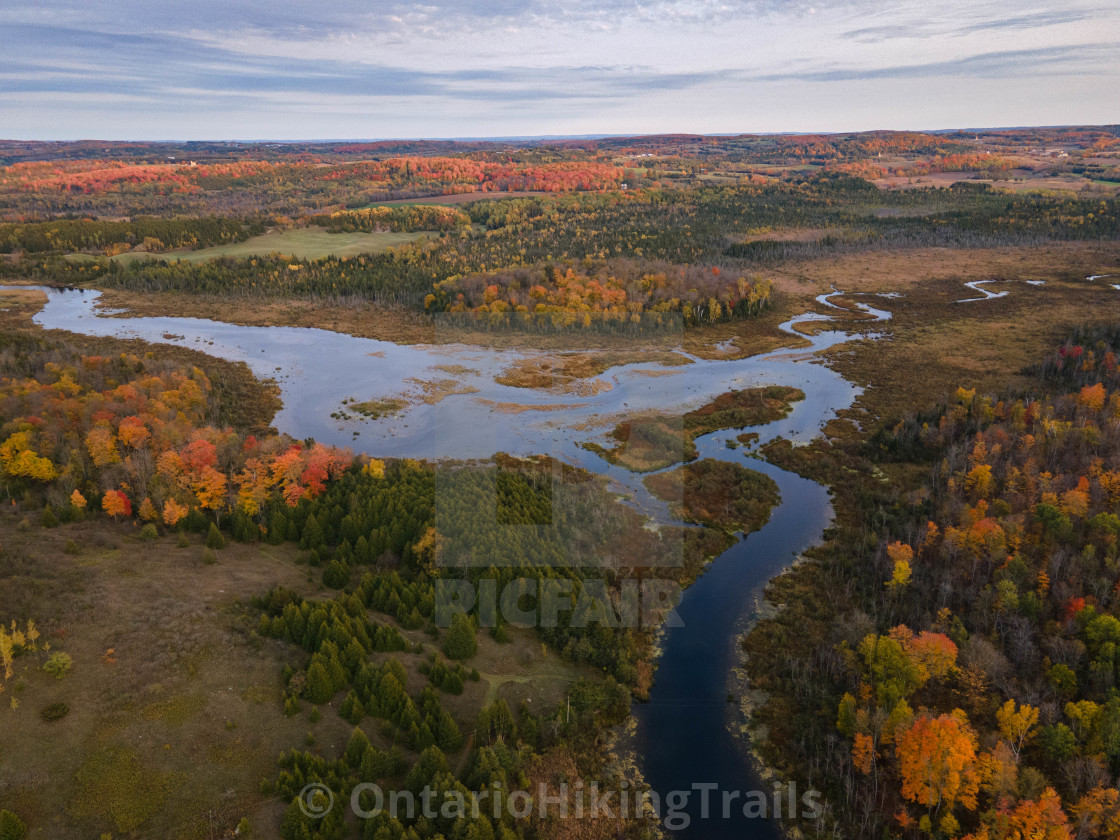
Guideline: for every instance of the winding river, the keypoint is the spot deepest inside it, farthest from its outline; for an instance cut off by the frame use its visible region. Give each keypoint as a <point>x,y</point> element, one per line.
<point>455,409</point>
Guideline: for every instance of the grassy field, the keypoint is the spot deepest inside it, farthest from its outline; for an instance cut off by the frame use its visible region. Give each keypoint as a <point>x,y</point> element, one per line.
<point>167,682</point>
<point>303,243</point>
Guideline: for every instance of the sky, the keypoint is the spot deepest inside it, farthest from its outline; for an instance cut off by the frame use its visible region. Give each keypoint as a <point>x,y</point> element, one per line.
<point>347,69</point>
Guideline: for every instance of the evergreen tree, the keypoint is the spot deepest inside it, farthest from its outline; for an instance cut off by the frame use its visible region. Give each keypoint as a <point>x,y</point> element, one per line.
<point>461,641</point>
<point>214,538</point>
<point>312,533</point>
<point>337,674</point>
<point>356,747</point>
<point>336,575</point>
<point>277,527</point>
<point>294,824</point>
<point>372,767</point>
<point>320,687</point>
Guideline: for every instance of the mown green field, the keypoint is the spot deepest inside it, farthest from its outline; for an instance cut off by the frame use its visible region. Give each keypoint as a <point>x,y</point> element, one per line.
<point>303,243</point>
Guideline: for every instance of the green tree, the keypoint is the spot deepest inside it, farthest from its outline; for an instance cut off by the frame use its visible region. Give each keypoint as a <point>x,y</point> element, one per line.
<point>214,538</point>
<point>312,533</point>
<point>320,688</point>
<point>356,748</point>
<point>336,575</point>
<point>461,641</point>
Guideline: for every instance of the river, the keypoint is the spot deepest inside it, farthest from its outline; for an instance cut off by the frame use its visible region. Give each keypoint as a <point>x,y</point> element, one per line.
<point>683,731</point>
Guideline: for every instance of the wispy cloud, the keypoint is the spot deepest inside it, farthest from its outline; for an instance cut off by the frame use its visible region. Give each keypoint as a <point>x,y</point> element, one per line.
<point>514,66</point>
<point>1047,62</point>
<point>956,28</point>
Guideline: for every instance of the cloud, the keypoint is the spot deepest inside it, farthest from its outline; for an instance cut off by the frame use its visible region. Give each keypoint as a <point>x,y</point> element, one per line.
<point>993,65</point>
<point>567,67</point>
<point>185,71</point>
<point>954,28</point>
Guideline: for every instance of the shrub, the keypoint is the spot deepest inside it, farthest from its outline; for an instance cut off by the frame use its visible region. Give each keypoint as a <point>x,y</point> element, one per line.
<point>149,532</point>
<point>55,711</point>
<point>214,538</point>
<point>58,664</point>
<point>72,547</point>
<point>336,575</point>
<point>49,519</point>
<point>183,542</point>
<point>196,521</point>
<point>209,557</point>
<point>11,826</point>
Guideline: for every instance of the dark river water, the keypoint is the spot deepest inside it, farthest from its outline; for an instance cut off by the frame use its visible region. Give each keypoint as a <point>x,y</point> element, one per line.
<point>683,733</point>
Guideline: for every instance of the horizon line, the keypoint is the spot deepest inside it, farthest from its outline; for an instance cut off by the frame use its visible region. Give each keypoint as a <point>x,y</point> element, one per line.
<point>507,138</point>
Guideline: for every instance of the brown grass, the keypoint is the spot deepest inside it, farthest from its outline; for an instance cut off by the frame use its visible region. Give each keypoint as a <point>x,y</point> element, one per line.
<point>146,722</point>
<point>899,271</point>
<point>432,391</point>
<point>405,326</point>
<point>520,408</point>
<point>936,345</point>
<point>562,372</point>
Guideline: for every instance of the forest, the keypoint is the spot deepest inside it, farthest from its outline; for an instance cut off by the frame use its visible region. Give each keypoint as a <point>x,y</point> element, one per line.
<point>632,261</point>
<point>958,675</point>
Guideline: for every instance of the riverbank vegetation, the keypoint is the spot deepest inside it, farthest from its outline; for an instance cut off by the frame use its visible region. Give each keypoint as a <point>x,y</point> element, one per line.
<point>644,444</point>
<point>719,494</point>
<point>586,259</point>
<point>953,633</point>
<point>565,371</point>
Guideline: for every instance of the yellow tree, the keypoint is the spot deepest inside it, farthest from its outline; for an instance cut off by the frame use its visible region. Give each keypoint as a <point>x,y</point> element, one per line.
<point>173,512</point>
<point>148,510</point>
<point>1017,726</point>
<point>254,485</point>
<point>901,555</point>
